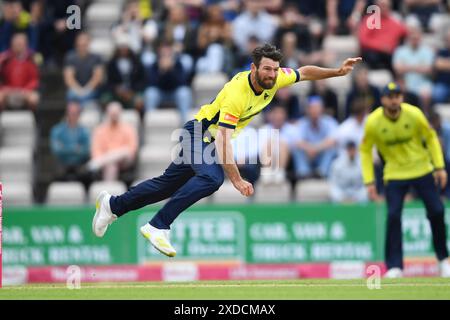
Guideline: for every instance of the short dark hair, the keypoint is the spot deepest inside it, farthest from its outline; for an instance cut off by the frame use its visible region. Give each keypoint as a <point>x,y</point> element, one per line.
<point>266,51</point>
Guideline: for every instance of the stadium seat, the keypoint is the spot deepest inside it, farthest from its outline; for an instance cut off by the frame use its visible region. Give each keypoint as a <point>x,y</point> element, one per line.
<point>159,126</point>
<point>272,193</point>
<point>207,86</point>
<point>228,194</point>
<point>341,47</point>
<point>153,161</point>
<point>113,187</point>
<point>432,40</point>
<point>103,47</point>
<point>103,11</point>
<point>16,164</point>
<point>66,193</point>
<point>132,117</point>
<point>161,119</point>
<point>17,194</point>
<point>312,190</point>
<point>90,118</point>
<point>439,22</point>
<point>444,110</point>
<point>379,78</point>
<point>17,128</point>
<point>341,86</point>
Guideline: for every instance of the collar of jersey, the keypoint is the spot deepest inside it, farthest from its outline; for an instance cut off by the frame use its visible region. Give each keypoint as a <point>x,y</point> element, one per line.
<point>251,86</point>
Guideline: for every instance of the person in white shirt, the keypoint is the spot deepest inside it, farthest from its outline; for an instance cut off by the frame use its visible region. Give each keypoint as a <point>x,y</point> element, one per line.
<point>353,127</point>
<point>346,183</point>
<point>253,21</point>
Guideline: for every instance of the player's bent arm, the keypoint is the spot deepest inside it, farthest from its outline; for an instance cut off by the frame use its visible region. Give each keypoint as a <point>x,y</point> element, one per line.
<point>432,141</point>
<point>224,151</point>
<point>318,73</point>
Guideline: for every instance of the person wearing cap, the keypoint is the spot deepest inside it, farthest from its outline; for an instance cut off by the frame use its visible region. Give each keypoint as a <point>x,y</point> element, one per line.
<point>399,130</point>
<point>346,184</point>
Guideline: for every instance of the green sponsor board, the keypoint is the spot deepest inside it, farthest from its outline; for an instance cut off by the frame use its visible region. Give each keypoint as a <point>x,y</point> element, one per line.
<point>200,235</point>
<point>417,232</point>
<point>291,233</point>
<point>61,236</point>
<point>311,234</point>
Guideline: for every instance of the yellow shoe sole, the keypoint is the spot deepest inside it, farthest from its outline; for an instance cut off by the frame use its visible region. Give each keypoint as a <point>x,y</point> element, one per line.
<point>170,255</point>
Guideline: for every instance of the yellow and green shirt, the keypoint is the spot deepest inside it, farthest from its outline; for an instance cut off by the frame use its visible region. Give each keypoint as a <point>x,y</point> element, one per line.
<point>408,145</point>
<point>237,103</point>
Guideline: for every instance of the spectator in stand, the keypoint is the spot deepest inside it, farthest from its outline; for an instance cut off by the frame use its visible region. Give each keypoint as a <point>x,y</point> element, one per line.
<point>414,61</point>
<point>134,27</point>
<point>193,9</point>
<point>114,145</point>
<point>310,8</point>
<point>408,96</point>
<point>214,42</point>
<point>126,78</point>
<point>289,101</point>
<point>291,55</point>
<point>83,72</point>
<point>343,16</point>
<point>443,131</point>
<point>244,59</point>
<point>19,76</point>
<point>291,20</point>
<point>253,21</point>
<point>167,80</point>
<point>230,7</point>
<point>329,97</point>
<point>311,13</point>
<point>70,144</point>
<point>346,183</point>
<point>441,88</point>
<point>362,91</point>
<point>314,148</point>
<point>16,20</point>
<point>352,129</point>
<point>275,155</point>
<point>423,10</point>
<point>55,38</point>
<point>178,29</point>
<point>378,42</point>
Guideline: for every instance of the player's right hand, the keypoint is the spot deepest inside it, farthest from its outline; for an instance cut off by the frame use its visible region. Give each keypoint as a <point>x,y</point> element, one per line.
<point>244,187</point>
<point>372,193</point>
<point>440,177</point>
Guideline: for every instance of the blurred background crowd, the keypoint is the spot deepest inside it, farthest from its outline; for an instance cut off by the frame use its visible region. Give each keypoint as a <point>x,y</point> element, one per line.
<point>92,108</point>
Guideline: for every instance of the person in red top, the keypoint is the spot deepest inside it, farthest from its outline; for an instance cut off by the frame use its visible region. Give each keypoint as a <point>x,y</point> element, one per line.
<point>378,39</point>
<point>19,76</point>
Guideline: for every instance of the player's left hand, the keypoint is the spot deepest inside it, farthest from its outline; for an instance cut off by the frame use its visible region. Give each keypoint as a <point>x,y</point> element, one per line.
<point>440,177</point>
<point>348,65</point>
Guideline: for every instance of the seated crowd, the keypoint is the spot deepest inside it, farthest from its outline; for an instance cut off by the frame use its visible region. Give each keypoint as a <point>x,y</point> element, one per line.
<point>160,47</point>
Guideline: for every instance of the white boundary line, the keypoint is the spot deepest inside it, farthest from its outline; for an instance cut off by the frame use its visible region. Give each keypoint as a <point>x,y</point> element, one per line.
<point>198,286</point>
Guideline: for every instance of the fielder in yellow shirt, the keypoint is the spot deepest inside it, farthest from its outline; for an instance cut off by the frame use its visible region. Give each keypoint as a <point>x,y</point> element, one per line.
<point>206,150</point>
<point>413,157</point>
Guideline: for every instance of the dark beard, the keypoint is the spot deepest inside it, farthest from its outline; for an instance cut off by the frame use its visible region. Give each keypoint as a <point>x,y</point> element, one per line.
<point>262,84</point>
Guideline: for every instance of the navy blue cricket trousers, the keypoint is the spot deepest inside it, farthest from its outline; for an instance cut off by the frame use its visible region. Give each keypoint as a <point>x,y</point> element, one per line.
<point>429,193</point>
<point>191,177</point>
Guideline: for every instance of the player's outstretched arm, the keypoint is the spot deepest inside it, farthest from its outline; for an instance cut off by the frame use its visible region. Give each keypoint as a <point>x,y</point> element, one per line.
<point>318,73</point>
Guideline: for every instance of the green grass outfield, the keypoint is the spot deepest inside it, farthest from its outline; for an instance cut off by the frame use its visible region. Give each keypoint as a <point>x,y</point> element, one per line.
<point>406,288</point>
